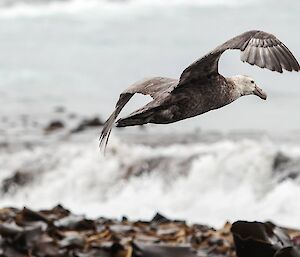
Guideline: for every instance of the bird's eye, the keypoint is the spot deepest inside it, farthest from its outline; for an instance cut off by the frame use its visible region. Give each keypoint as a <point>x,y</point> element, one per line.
<point>252,81</point>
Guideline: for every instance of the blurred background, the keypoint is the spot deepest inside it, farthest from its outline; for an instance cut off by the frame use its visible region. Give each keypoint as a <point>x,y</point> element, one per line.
<point>63,65</point>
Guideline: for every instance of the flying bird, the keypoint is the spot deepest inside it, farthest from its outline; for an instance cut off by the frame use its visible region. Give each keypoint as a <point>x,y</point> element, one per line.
<point>201,88</point>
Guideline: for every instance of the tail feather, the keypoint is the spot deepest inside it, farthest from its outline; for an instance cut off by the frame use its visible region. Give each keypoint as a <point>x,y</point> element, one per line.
<point>134,120</point>
<point>129,122</point>
<point>106,131</point>
<point>107,127</point>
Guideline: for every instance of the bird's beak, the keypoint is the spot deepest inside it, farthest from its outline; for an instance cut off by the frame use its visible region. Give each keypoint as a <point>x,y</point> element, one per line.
<point>258,91</point>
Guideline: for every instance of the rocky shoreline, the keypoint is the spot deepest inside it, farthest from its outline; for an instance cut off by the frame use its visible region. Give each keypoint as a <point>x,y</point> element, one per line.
<point>57,232</point>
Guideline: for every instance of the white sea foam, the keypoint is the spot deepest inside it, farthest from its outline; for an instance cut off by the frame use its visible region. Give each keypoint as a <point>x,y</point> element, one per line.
<point>201,182</point>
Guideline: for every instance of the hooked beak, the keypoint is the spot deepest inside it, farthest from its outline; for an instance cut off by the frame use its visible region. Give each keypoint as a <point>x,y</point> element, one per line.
<point>261,94</point>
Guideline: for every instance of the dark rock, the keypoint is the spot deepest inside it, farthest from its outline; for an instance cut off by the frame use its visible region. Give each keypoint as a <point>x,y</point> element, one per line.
<point>8,214</point>
<point>121,228</point>
<point>158,219</point>
<point>258,239</point>
<point>71,241</point>
<point>87,123</point>
<point>47,247</point>
<point>58,212</point>
<point>30,215</point>
<point>21,238</point>
<point>156,250</point>
<point>9,251</point>
<point>279,160</point>
<point>124,218</point>
<point>172,167</point>
<point>10,230</point>
<point>286,168</point>
<point>59,233</point>
<point>94,253</point>
<point>288,252</point>
<point>19,178</point>
<point>215,241</point>
<point>54,126</point>
<point>28,237</point>
<point>74,222</point>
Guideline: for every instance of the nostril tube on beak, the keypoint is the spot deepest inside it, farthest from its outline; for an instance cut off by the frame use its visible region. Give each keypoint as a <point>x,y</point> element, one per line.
<point>261,94</point>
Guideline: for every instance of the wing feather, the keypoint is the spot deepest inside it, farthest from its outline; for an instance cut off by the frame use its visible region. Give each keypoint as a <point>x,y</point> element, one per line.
<point>284,60</point>
<point>291,57</point>
<point>252,55</point>
<point>154,87</point>
<point>269,61</point>
<point>246,54</point>
<point>257,48</point>
<point>275,60</point>
<point>260,57</point>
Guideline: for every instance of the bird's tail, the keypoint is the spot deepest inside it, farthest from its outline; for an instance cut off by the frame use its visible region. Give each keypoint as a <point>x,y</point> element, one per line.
<point>135,119</point>
<point>107,127</point>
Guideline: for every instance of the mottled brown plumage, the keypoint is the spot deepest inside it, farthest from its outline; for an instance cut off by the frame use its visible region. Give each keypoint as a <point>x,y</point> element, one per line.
<point>201,88</point>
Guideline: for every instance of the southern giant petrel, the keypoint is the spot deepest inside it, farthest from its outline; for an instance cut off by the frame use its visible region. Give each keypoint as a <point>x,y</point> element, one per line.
<point>201,88</point>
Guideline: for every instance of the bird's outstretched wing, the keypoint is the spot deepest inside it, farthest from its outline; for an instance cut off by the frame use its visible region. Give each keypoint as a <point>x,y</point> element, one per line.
<point>257,48</point>
<point>154,87</point>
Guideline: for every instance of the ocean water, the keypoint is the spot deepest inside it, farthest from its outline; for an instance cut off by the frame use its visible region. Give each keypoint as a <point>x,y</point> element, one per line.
<point>240,162</point>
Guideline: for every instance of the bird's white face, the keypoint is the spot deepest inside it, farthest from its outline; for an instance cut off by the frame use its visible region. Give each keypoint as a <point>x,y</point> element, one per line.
<point>247,86</point>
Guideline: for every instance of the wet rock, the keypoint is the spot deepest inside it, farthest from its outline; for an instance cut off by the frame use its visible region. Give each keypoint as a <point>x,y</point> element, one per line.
<point>280,160</point>
<point>49,248</point>
<point>286,168</point>
<point>10,230</point>
<point>156,250</point>
<point>258,239</point>
<point>19,178</point>
<point>72,240</point>
<point>28,217</point>
<point>288,252</point>
<point>58,212</point>
<point>74,222</point>
<point>87,123</point>
<point>21,238</point>
<point>8,251</point>
<point>94,253</point>
<point>8,214</point>
<point>121,228</point>
<point>28,237</point>
<point>54,126</point>
<point>173,167</point>
<point>59,233</point>
<point>158,219</point>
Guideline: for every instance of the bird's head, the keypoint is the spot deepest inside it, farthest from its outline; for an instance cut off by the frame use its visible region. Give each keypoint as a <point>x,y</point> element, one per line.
<point>247,86</point>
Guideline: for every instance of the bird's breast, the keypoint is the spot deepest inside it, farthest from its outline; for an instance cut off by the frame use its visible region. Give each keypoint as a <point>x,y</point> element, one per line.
<point>194,101</point>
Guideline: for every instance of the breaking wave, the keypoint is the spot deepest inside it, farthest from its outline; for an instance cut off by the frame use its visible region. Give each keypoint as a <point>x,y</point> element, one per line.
<point>223,178</point>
